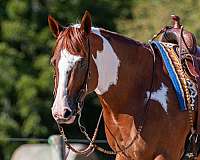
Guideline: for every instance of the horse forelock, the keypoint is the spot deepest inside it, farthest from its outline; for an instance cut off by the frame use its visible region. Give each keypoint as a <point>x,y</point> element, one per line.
<point>73,40</point>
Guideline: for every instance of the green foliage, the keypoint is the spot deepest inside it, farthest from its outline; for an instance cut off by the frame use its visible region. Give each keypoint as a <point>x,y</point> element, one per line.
<point>16,9</point>
<point>149,16</point>
<point>26,44</point>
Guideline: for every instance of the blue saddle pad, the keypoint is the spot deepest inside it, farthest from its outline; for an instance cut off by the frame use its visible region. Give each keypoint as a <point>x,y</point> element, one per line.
<point>172,72</point>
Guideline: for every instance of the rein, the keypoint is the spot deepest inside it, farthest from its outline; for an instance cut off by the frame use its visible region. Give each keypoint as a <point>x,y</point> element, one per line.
<point>80,100</point>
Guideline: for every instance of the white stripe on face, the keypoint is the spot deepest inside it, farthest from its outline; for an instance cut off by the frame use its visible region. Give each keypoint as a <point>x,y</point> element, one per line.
<point>107,64</point>
<point>65,65</point>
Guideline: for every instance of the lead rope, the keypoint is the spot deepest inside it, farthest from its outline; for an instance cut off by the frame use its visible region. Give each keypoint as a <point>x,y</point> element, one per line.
<point>84,131</point>
<point>92,146</point>
<point>88,150</point>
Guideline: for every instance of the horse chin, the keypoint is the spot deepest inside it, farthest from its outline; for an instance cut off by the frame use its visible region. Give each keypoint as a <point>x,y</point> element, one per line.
<point>69,120</point>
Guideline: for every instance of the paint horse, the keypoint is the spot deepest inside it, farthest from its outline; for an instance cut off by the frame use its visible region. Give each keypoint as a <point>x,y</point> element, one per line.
<point>140,108</point>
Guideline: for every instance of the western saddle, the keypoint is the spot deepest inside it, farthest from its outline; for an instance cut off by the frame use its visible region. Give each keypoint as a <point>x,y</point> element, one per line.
<point>186,41</point>
<point>189,55</point>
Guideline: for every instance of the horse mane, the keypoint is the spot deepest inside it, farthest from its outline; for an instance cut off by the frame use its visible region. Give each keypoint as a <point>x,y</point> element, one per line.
<point>74,40</point>
<point>123,38</point>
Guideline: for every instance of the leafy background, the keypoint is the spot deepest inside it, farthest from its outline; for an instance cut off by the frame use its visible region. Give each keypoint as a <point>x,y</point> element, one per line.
<point>26,44</point>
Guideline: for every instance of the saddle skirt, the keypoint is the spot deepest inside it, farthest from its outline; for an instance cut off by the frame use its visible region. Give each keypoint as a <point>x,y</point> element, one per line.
<point>182,73</point>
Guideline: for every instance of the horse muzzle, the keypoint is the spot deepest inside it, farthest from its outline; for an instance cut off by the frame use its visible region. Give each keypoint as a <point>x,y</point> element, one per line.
<point>65,116</point>
<point>63,113</point>
<point>68,120</point>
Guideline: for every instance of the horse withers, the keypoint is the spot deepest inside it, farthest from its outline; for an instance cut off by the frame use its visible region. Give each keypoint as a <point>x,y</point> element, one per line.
<point>140,109</point>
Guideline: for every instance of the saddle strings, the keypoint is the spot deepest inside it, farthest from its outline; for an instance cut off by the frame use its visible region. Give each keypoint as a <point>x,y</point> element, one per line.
<point>181,38</point>
<point>190,111</point>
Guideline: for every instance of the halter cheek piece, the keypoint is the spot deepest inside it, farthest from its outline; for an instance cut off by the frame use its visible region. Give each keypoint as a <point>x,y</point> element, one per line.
<point>84,88</point>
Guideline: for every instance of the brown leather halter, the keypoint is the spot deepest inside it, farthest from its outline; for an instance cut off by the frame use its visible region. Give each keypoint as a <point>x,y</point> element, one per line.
<point>80,100</point>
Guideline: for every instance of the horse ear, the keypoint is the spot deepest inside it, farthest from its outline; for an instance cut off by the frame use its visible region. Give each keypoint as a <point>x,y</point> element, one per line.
<point>54,26</point>
<point>86,23</point>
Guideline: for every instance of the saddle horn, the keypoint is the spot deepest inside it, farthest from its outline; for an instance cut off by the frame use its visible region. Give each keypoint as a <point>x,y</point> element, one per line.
<point>176,34</point>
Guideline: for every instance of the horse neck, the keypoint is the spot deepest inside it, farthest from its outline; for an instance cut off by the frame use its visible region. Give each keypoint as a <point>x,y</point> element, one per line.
<point>124,72</point>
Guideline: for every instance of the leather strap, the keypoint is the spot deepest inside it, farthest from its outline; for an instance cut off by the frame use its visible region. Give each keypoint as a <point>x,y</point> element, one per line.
<point>198,108</point>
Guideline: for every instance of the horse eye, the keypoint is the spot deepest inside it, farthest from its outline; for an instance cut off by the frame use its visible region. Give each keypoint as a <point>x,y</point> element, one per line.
<point>78,49</point>
<point>54,93</point>
<point>82,64</point>
<point>53,62</point>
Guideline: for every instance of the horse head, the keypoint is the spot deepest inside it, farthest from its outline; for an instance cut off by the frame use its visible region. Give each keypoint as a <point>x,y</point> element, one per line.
<point>71,62</point>
<point>87,59</point>
<point>176,34</point>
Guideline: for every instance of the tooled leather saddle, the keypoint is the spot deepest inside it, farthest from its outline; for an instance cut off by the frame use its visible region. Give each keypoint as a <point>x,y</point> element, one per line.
<point>189,54</point>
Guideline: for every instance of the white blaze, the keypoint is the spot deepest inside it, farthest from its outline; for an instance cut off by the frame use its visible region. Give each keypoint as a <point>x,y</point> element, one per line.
<point>107,64</point>
<point>160,96</point>
<point>65,65</point>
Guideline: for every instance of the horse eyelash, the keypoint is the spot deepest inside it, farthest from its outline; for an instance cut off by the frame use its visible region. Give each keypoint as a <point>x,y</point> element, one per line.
<point>53,62</point>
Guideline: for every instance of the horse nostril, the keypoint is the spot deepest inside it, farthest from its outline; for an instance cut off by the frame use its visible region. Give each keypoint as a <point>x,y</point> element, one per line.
<point>67,113</point>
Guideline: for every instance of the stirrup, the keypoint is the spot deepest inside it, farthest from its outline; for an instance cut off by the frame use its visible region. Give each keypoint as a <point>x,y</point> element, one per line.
<point>193,147</point>
<point>189,156</point>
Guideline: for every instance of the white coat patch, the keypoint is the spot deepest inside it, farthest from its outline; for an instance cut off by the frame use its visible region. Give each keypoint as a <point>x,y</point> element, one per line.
<point>65,65</point>
<point>107,64</point>
<point>160,95</point>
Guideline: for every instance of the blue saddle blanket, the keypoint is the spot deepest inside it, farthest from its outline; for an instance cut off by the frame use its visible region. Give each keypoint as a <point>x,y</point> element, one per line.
<point>171,71</point>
